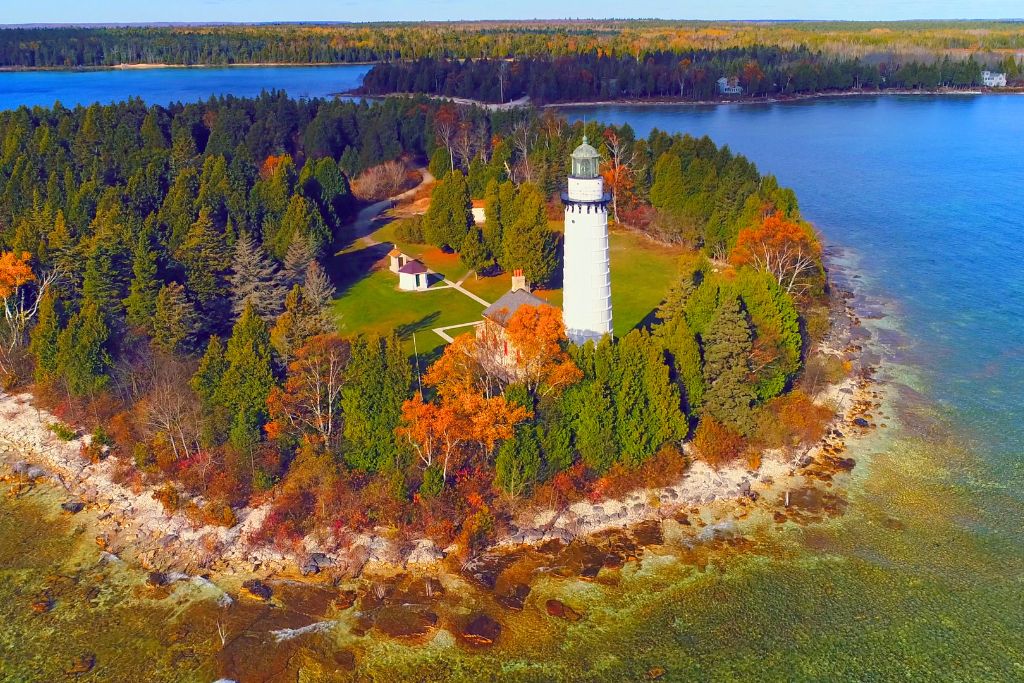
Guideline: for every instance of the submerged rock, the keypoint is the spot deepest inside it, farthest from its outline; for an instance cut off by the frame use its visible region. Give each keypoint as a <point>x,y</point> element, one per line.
<point>72,506</point>
<point>557,608</point>
<point>404,621</point>
<point>254,588</point>
<point>481,630</point>
<point>345,659</point>
<point>82,664</point>
<point>516,596</point>
<point>157,579</point>
<point>861,422</point>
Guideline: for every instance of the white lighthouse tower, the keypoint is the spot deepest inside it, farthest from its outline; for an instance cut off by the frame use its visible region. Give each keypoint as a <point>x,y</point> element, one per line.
<point>587,284</point>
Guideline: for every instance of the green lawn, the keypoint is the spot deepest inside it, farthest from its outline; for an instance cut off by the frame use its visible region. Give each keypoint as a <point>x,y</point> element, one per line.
<point>370,301</point>
<point>642,272</point>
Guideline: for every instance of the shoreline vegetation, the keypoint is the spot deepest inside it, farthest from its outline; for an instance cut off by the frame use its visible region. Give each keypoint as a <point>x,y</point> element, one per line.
<point>525,101</point>
<point>130,523</point>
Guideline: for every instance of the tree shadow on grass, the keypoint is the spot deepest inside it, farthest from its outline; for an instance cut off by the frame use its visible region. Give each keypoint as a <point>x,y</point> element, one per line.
<point>351,267</point>
<point>425,323</point>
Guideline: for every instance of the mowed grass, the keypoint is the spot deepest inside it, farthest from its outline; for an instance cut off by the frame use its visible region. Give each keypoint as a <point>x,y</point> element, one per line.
<point>375,305</point>
<point>642,272</point>
<point>370,301</point>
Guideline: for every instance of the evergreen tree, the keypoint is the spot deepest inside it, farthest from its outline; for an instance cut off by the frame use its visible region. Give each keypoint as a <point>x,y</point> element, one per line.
<point>297,259</point>
<point>595,439</point>
<point>518,463</point>
<point>684,358</point>
<point>206,260</point>
<point>491,232</point>
<point>140,306</point>
<point>729,395</point>
<point>206,381</point>
<point>378,380</point>
<point>174,322</point>
<point>450,214</point>
<point>105,278</point>
<point>247,380</point>
<point>82,359</point>
<point>668,192</point>
<point>301,320</point>
<point>473,252</point>
<point>301,220</point>
<point>440,163</point>
<point>254,280</point>
<point>528,243</point>
<point>318,290</point>
<point>43,344</point>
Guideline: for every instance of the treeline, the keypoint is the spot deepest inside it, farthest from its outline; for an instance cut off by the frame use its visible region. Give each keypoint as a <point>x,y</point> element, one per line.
<point>759,70</point>
<point>72,47</point>
<point>165,278</point>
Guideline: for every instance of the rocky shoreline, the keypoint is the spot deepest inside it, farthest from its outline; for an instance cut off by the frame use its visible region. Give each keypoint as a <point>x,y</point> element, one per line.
<point>130,523</point>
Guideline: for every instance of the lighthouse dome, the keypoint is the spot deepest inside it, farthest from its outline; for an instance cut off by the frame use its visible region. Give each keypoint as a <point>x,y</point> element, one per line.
<point>585,161</point>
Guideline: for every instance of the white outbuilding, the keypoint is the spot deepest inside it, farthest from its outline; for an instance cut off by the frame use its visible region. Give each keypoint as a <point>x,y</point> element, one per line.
<point>412,277</point>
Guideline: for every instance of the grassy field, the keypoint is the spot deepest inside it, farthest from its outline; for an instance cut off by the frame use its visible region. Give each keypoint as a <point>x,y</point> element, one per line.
<point>369,299</point>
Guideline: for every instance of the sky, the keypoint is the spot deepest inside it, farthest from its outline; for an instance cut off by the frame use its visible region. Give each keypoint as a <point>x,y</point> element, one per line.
<point>132,11</point>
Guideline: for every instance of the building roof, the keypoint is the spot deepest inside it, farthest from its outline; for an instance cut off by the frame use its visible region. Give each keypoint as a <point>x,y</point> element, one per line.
<point>505,307</point>
<point>585,151</point>
<point>395,252</point>
<point>413,268</point>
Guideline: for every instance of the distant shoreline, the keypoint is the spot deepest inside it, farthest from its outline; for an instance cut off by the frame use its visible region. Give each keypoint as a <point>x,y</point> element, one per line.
<point>161,65</point>
<point>524,101</point>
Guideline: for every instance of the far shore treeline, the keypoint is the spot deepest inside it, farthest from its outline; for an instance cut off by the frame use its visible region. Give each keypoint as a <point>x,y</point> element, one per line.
<point>992,43</point>
<point>167,276</point>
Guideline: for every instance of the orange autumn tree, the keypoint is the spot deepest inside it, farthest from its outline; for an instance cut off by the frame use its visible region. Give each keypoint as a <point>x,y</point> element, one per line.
<point>309,403</point>
<point>786,249</point>
<point>19,303</point>
<point>537,336</point>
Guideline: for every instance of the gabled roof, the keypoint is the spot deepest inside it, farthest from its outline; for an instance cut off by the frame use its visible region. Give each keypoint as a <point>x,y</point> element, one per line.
<point>413,268</point>
<point>505,307</point>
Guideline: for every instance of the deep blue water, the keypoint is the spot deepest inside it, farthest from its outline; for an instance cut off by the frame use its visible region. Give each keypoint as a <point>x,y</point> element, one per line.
<point>163,86</point>
<point>928,192</point>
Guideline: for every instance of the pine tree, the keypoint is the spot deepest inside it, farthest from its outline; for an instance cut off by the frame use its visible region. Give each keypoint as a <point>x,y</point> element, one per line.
<point>247,380</point>
<point>140,306</point>
<point>301,320</point>
<point>105,279</point>
<point>668,191</point>
<point>595,439</point>
<point>301,220</point>
<point>206,260</point>
<point>491,231</point>
<point>518,463</point>
<point>297,259</point>
<point>206,381</point>
<point>318,290</point>
<point>450,214</point>
<point>82,359</point>
<point>684,357</point>
<point>254,280</point>
<point>378,380</point>
<point>473,252</point>
<point>175,323</point>
<point>729,394</point>
<point>677,299</point>
<point>44,336</point>
<point>528,243</point>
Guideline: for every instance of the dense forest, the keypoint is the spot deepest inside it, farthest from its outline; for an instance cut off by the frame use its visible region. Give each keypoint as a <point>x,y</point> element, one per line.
<point>68,47</point>
<point>760,71</point>
<point>166,275</point>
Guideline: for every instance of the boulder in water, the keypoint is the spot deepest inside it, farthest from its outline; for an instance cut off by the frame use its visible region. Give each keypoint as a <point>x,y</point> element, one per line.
<point>72,506</point>
<point>557,608</point>
<point>481,630</point>
<point>516,596</point>
<point>82,664</point>
<point>254,588</point>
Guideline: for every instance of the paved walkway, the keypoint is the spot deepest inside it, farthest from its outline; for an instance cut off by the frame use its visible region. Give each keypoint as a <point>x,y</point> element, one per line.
<point>443,331</point>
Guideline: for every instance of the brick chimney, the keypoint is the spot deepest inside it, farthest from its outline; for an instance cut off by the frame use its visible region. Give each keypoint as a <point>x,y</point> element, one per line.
<point>519,280</point>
